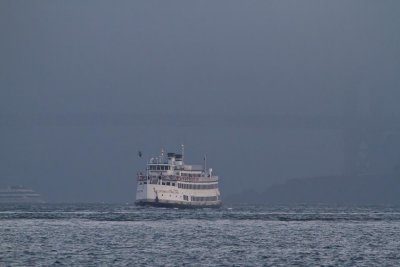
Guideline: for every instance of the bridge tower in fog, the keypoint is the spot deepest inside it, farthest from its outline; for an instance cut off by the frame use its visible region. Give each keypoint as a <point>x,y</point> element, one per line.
<point>367,135</point>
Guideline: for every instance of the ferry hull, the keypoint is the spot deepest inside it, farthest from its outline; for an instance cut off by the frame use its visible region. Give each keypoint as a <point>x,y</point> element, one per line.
<point>152,203</point>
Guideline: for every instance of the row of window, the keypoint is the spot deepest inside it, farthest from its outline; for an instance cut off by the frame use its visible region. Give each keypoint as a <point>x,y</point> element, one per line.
<point>213,198</point>
<point>188,186</point>
<point>159,167</point>
<point>191,174</point>
<point>197,186</point>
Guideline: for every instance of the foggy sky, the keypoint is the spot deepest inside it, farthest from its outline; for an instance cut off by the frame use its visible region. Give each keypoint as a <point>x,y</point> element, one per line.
<point>262,87</point>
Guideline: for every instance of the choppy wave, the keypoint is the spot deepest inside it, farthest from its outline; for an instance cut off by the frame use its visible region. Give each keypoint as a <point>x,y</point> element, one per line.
<point>125,235</point>
<point>103,212</point>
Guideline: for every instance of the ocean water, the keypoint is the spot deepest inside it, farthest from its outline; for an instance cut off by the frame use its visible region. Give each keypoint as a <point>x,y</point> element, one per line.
<point>125,235</point>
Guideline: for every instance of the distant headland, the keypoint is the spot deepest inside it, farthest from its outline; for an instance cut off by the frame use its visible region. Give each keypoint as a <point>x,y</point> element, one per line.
<point>331,190</point>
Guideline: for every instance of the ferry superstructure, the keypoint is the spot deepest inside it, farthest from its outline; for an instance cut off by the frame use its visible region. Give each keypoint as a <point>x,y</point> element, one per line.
<point>172,183</point>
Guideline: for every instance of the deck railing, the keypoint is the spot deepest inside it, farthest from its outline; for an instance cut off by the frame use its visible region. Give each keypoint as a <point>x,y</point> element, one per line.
<point>141,177</point>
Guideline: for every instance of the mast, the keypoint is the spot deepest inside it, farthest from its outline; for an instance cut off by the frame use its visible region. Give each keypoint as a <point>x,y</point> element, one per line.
<point>183,152</point>
<point>205,163</point>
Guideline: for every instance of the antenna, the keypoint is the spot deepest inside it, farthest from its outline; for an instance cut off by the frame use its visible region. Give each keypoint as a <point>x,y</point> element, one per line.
<point>205,163</point>
<point>183,151</point>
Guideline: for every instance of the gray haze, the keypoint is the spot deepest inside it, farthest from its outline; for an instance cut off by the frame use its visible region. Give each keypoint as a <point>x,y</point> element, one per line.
<point>269,90</point>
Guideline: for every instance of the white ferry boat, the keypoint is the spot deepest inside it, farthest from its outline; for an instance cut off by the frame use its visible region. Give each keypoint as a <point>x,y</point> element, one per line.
<point>19,194</point>
<point>169,182</point>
